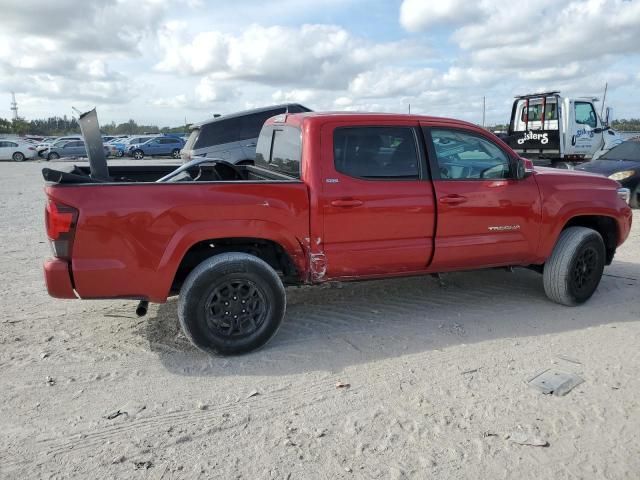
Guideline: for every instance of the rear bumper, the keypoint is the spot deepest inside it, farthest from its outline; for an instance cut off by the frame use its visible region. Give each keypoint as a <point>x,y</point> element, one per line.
<point>58,278</point>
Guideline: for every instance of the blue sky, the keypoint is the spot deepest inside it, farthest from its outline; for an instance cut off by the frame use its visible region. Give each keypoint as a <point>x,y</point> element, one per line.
<point>161,62</point>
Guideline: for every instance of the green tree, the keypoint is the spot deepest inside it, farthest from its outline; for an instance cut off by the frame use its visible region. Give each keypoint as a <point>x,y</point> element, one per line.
<point>5,125</point>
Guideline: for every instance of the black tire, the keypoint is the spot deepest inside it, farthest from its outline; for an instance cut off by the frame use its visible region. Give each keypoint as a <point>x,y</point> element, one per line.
<point>120,153</point>
<point>175,153</point>
<point>575,267</point>
<point>53,156</point>
<point>248,287</point>
<point>138,154</point>
<point>19,157</point>
<point>634,201</point>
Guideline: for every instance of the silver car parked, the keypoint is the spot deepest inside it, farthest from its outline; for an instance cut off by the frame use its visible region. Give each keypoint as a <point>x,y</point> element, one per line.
<point>74,148</point>
<point>16,150</point>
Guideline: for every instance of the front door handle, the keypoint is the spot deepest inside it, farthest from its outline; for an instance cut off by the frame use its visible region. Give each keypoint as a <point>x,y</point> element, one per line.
<point>453,199</point>
<point>248,145</point>
<point>347,203</point>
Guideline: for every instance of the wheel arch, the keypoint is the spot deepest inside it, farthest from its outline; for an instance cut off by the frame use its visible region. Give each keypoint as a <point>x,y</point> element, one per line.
<point>605,225</point>
<point>272,252</point>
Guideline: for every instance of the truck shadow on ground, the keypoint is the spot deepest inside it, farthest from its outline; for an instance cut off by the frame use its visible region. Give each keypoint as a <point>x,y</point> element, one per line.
<point>330,327</point>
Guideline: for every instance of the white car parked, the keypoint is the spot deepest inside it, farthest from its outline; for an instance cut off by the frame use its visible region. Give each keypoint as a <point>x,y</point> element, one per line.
<point>16,150</point>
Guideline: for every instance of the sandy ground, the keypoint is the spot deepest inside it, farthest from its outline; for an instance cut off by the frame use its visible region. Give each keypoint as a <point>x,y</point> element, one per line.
<point>437,378</point>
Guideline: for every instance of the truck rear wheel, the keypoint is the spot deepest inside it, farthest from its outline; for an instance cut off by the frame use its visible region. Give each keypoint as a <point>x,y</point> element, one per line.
<point>231,304</point>
<point>575,267</point>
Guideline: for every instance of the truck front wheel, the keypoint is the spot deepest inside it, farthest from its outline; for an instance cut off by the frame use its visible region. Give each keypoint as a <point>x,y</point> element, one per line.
<point>575,267</point>
<point>231,304</point>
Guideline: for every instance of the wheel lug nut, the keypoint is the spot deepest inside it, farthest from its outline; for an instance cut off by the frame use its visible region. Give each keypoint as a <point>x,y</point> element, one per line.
<point>235,316</point>
<point>244,311</point>
<point>226,313</point>
<point>243,302</point>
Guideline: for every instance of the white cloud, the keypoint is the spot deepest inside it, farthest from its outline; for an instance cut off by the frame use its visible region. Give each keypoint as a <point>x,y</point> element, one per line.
<point>416,15</point>
<point>210,89</point>
<point>159,61</point>
<point>324,56</point>
<point>62,49</point>
<point>295,96</point>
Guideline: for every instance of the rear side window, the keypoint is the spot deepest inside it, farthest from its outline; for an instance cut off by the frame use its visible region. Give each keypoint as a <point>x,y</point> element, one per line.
<point>376,152</point>
<point>279,149</point>
<point>535,112</point>
<point>252,124</point>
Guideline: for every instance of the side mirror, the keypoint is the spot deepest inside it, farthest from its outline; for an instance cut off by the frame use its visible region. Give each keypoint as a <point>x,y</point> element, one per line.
<point>524,168</point>
<point>608,116</point>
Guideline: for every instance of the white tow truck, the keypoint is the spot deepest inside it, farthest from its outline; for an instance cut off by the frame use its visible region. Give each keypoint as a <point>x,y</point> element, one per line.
<point>553,130</point>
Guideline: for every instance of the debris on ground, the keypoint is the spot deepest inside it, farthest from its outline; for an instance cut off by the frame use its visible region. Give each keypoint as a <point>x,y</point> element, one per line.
<point>50,381</point>
<point>253,393</point>
<point>527,435</point>
<point>569,359</point>
<point>116,414</point>
<point>522,438</point>
<point>342,385</point>
<point>555,382</point>
<point>143,465</point>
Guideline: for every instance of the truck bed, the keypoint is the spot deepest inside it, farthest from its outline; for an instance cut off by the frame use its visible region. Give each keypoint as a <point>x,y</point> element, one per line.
<point>133,233</point>
<point>74,174</point>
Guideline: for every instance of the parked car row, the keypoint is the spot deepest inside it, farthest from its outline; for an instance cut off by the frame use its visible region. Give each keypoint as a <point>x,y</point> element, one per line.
<point>52,148</point>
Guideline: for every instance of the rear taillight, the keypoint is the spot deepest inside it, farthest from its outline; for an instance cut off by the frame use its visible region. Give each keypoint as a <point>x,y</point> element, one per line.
<point>61,223</point>
<point>31,148</point>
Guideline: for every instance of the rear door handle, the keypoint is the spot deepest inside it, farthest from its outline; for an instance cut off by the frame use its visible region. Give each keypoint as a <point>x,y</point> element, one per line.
<point>250,145</point>
<point>346,203</point>
<point>453,199</point>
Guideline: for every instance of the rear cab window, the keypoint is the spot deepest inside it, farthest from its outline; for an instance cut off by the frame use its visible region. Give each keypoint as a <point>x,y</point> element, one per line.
<point>376,153</point>
<point>279,150</point>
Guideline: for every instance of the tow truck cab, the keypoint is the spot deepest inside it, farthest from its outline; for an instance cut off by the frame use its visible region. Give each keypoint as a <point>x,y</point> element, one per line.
<point>557,131</point>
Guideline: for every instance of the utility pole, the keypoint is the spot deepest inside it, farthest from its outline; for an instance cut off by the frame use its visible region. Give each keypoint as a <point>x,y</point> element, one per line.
<point>409,109</point>
<point>484,109</point>
<point>14,106</point>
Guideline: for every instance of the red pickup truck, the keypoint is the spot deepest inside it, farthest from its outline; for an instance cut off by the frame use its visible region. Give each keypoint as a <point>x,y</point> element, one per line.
<point>332,196</point>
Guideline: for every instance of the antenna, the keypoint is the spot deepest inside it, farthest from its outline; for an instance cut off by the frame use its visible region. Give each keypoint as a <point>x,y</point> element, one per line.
<point>14,106</point>
<point>604,98</point>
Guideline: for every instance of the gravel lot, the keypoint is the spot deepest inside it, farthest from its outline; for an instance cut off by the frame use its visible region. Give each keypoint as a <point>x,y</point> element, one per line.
<point>436,373</point>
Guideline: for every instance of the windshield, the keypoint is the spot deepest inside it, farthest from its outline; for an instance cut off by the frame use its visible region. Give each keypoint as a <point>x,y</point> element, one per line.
<point>628,150</point>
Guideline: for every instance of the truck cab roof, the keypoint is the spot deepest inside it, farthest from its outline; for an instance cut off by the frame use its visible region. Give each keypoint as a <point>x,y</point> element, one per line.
<point>323,117</point>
